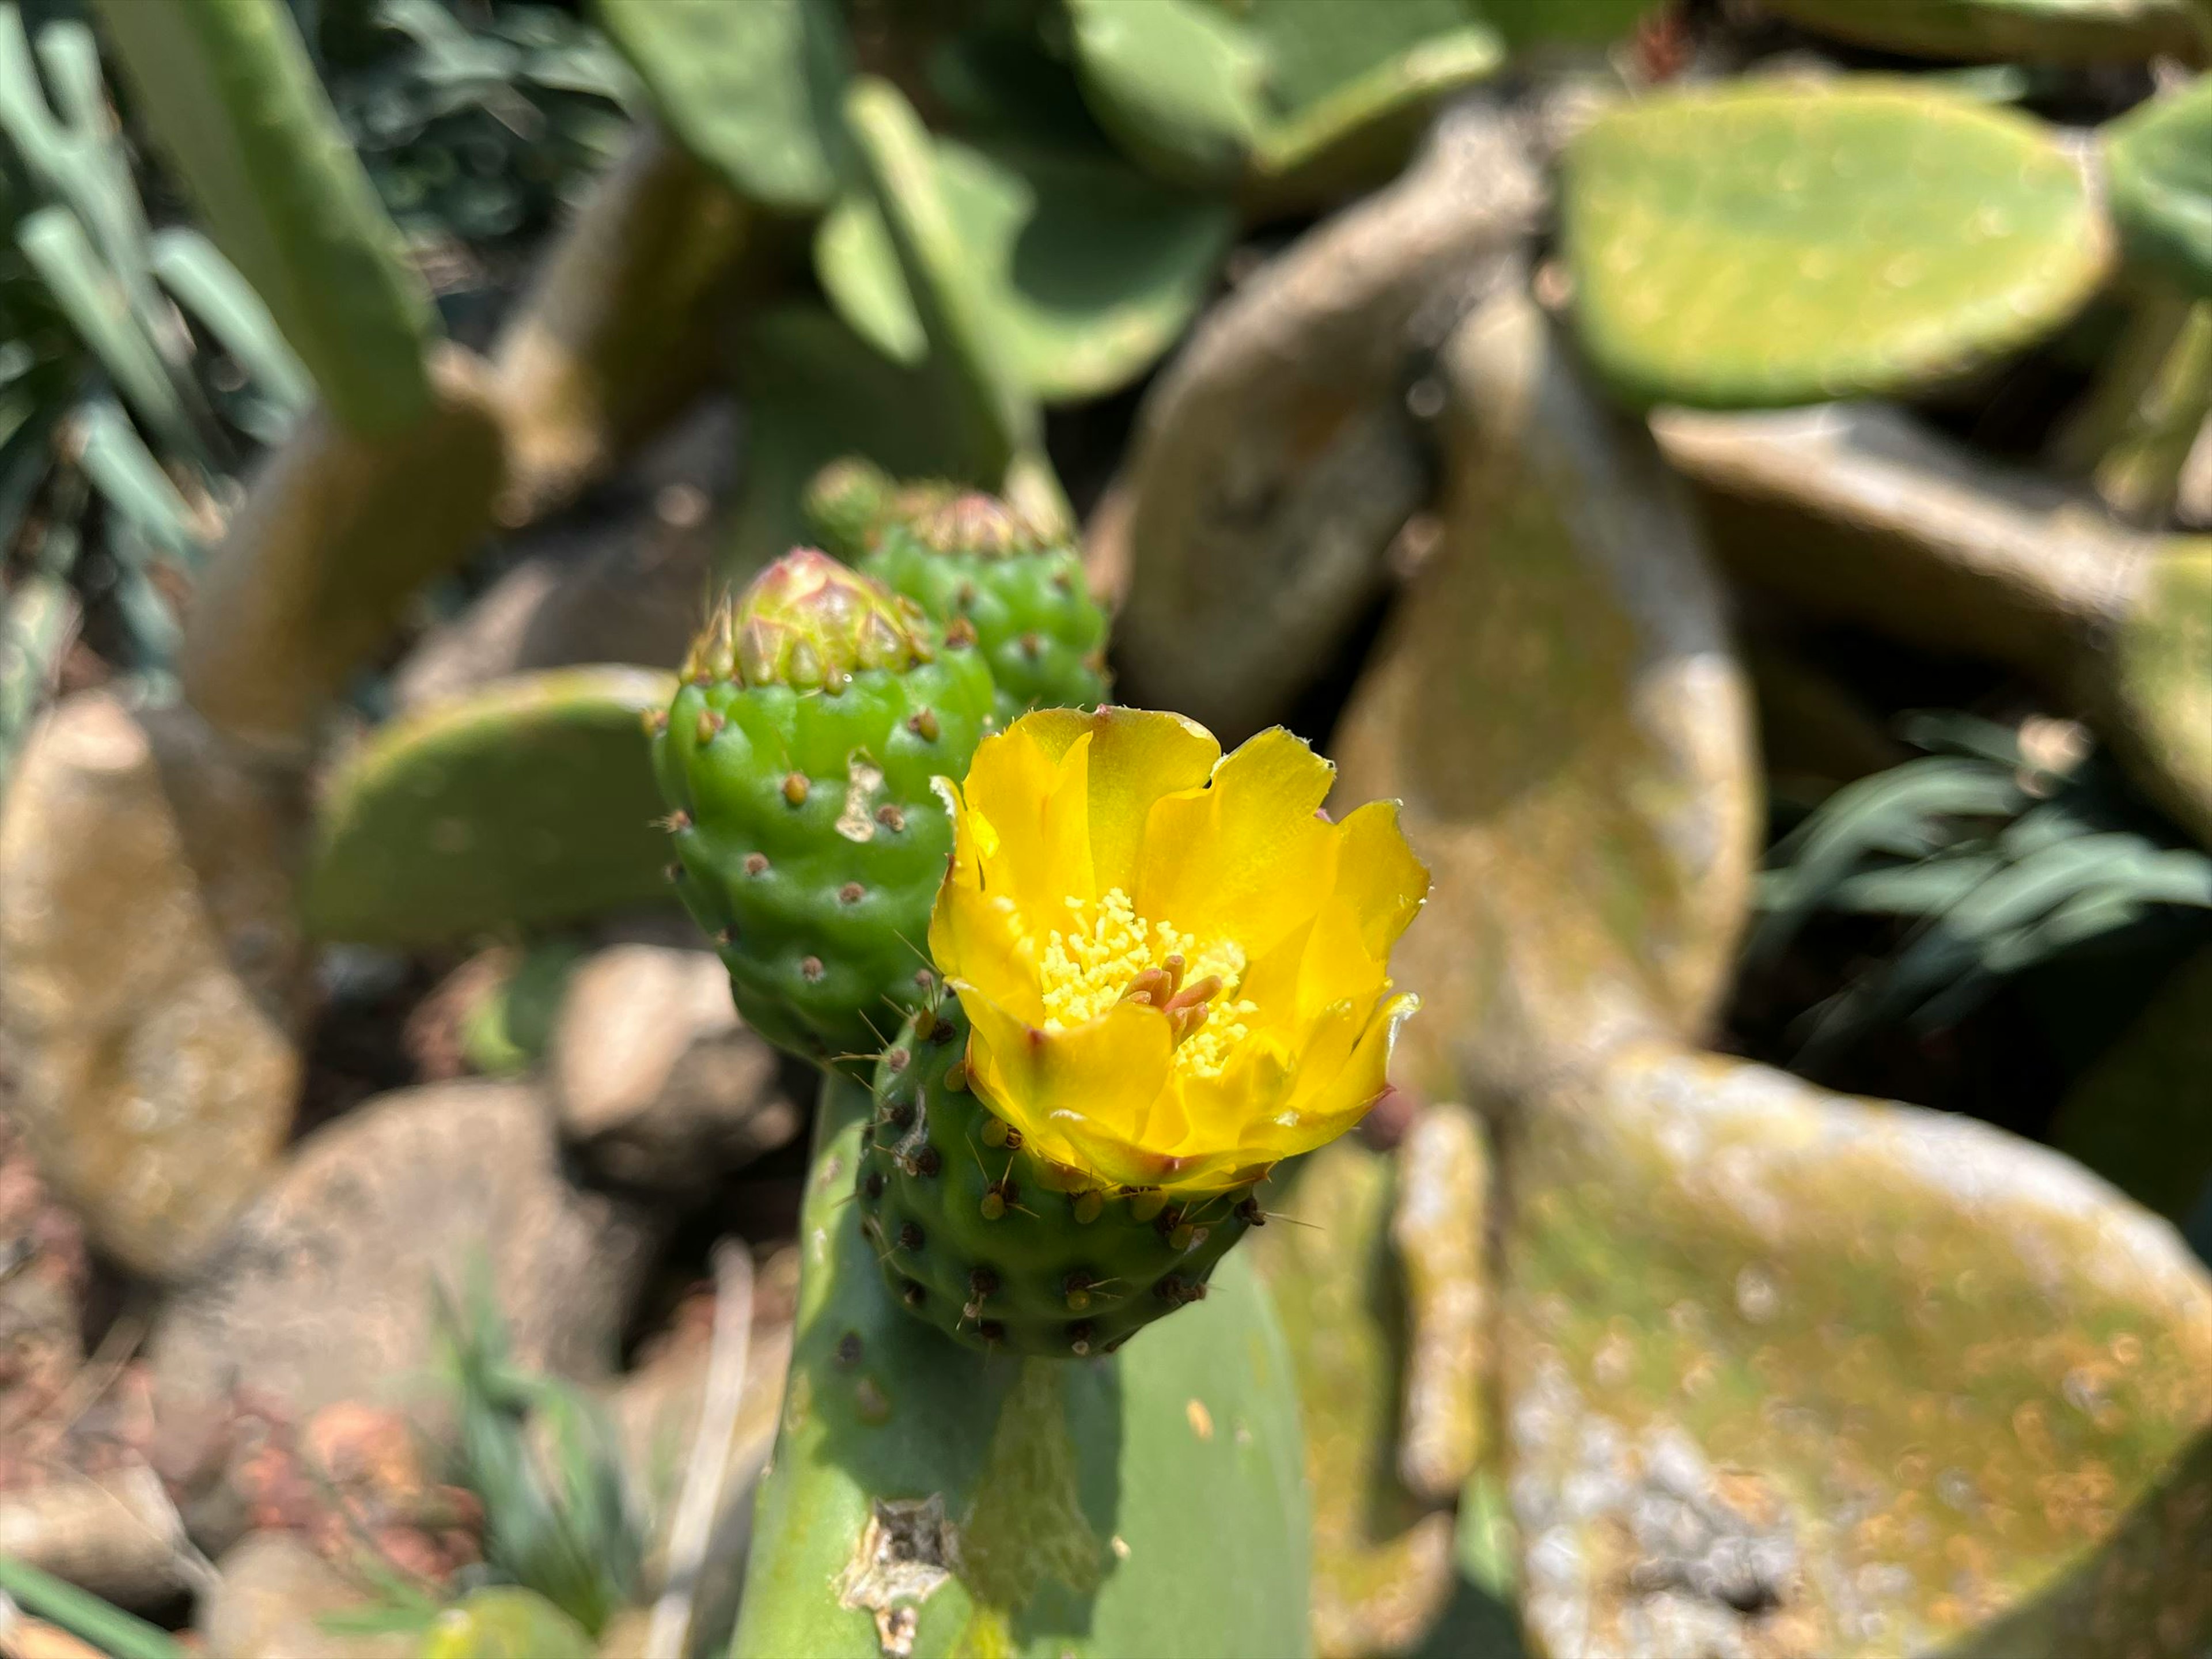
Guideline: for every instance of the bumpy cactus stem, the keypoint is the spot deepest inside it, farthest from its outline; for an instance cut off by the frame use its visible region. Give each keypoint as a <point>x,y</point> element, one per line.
<point>816,709</point>
<point>925,1499</point>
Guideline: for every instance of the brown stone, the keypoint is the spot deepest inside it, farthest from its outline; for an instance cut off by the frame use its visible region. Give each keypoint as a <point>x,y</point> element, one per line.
<point>657,1081</point>
<point>151,973</point>
<point>325,1290</point>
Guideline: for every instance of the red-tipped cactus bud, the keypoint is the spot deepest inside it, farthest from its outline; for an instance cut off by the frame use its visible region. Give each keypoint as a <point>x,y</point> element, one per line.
<point>808,622</point>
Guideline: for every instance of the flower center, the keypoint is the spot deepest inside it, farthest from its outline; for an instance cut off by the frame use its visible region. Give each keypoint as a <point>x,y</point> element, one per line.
<point>1108,952</point>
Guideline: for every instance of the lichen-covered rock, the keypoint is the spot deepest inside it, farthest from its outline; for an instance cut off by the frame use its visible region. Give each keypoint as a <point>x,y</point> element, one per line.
<point>1440,1229</point>
<point>1275,459</point>
<point>1791,1374</point>
<point>325,1289</point>
<point>1555,702</point>
<point>151,973</point>
<point>658,1083</point>
<point>1383,1558</point>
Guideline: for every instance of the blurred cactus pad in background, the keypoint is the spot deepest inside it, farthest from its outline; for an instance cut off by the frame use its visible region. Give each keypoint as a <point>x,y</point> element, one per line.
<point>1106,828</point>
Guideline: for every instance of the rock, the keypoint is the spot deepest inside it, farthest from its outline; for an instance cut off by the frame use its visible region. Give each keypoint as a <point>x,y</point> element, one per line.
<point>152,979</point>
<point>1555,702</point>
<point>269,1601</point>
<point>1275,459</point>
<point>323,1289</point>
<point>43,1273</point>
<point>658,1083</point>
<point>115,1535</point>
<point>1791,1374</point>
<point>1383,1559</point>
<point>1859,512</point>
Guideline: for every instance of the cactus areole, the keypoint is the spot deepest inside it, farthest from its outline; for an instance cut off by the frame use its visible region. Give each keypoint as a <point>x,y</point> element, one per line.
<point>1168,969</point>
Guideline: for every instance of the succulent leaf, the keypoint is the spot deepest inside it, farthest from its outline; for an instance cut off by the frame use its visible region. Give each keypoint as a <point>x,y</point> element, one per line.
<point>2158,172</point>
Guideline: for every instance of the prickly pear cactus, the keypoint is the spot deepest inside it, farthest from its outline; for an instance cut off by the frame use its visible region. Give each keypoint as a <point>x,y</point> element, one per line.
<point>2159,184</point>
<point>927,1500</point>
<point>973,561</point>
<point>2062,31</point>
<point>1771,245</point>
<point>1005,1251</point>
<point>796,758</point>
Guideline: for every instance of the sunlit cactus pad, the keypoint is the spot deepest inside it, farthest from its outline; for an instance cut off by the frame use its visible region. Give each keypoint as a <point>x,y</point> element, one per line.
<point>1781,244</point>
<point>996,1248</point>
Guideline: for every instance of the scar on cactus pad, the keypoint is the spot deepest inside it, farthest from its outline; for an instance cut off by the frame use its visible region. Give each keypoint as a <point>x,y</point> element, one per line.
<point>1171,972</point>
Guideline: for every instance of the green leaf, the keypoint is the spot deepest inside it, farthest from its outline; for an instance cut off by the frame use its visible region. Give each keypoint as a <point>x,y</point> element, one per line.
<point>2051,31</point>
<point>1090,270</point>
<point>753,88</point>
<point>1178,85</point>
<point>1767,244</point>
<point>2158,171</point>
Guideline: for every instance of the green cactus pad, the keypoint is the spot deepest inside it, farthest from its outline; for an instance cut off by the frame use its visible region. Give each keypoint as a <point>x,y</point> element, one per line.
<point>1177,84</point>
<point>1771,245</point>
<point>1092,268</point>
<point>992,1246</point>
<point>1147,1503</point>
<point>973,559</point>
<point>809,841</point>
<point>749,88</point>
<point>2158,174</point>
<point>2005,31</point>
<point>532,801</point>
<point>228,90</point>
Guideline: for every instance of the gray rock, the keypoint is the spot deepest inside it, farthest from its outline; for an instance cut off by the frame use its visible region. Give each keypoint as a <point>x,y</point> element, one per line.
<point>151,973</point>
<point>116,1534</point>
<point>658,1083</point>
<point>323,1289</point>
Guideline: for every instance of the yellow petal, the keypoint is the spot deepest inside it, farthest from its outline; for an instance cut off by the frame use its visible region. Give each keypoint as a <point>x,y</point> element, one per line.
<point>1246,857</point>
<point>1060,1089</point>
<point>1336,966</point>
<point>1378,876</point>
<point>1346,1098</point>
<point>1134,757</point>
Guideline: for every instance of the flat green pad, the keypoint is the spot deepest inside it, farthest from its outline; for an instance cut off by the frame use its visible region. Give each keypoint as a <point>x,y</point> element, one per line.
<point>1765,244</point>
<point>951,1502</point>
<point>2004,31</point>
<point>2164,651</point>
<point>1888,1380</point>
<point>529,802</point>
<point>750,87</point>
<point>2158,172</point>
<point>1090,270</point>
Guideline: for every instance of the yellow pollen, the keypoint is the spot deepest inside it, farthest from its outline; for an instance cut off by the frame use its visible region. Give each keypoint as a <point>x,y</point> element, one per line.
<point>1086,968</point>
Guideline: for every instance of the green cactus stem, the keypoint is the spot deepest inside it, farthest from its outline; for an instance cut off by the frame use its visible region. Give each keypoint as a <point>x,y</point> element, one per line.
<point>505,1622</point>
<point>1771,245</point>
<point>228,89</point>
<point>973,559</point>
<point>1000,1250</point>
<point>2008,31</point>
<point>928,1500</point>
<point>797,756</point>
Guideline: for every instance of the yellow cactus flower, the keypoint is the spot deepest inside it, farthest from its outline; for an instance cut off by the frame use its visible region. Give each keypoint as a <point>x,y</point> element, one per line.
<point>1175,967</point>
